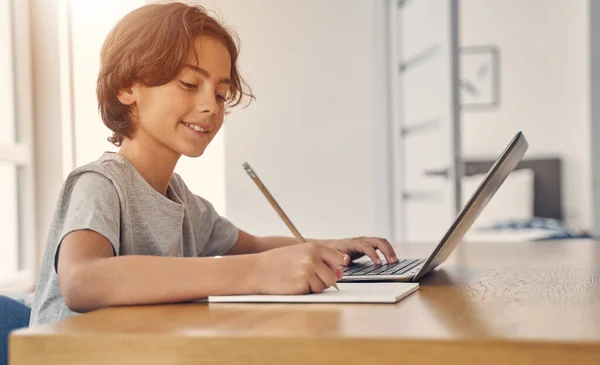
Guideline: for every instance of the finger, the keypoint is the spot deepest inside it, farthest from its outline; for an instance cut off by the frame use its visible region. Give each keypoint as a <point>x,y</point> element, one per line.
<point>316,283</point>
<point>367,248</point>
<point>386,248</point>
<point>326,274</point>
<point>339,274</point>
<point>347,260</point>
<point>333,258</point>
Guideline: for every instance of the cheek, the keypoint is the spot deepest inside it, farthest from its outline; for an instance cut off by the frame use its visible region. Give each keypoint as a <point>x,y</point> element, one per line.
<point>176,105</point>
<point>165,104</point>
<point>219,118</point>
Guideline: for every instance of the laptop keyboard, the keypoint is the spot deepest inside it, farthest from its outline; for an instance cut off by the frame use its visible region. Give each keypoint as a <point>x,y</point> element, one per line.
<point>370,268</point>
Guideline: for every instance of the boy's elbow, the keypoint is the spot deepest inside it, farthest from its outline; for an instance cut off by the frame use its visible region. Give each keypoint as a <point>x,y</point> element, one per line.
<point>74,303</point>
<point>78,292</point>
<point>77,303</point>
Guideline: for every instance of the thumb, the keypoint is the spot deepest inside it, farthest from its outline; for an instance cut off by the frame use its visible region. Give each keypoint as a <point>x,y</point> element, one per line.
<point>346,260</point>
<point>335,258</point>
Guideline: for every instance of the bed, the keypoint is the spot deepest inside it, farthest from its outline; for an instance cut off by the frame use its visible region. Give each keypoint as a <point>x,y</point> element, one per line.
<point>528,206</point>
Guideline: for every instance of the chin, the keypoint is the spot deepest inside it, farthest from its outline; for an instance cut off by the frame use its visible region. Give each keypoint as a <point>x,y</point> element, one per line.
<point>193,148</point>
<point>195,151</point>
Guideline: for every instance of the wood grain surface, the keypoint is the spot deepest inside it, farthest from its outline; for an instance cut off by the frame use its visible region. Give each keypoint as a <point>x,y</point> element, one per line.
<point>500,303</point>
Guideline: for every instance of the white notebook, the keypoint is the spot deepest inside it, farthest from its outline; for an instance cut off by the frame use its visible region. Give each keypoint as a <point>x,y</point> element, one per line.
<point>349,293</point>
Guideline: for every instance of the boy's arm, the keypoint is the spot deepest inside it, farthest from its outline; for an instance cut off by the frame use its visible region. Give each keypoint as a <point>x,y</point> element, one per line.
<point>249,244</point>
<point>90,277</point>
<point>353,247</point>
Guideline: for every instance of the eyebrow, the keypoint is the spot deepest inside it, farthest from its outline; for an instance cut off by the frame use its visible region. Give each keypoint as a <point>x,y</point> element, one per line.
<point>205,73</point>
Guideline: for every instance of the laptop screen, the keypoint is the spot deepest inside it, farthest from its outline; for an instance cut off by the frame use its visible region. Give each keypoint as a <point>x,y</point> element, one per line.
<point>504,165</point>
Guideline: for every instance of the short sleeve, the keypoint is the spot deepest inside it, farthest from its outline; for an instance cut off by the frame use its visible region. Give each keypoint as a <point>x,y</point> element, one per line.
<point>93,203</point>
<point>224,234</point>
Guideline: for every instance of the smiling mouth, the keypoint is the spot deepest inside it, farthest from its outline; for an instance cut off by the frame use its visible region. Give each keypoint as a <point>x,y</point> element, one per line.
<point>196,128</point>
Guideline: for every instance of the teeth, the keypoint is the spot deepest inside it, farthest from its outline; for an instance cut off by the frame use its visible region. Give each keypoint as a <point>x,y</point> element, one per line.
<point>197,128</point>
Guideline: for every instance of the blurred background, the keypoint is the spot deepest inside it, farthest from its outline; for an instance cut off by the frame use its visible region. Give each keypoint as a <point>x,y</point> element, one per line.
<point>373,117</point>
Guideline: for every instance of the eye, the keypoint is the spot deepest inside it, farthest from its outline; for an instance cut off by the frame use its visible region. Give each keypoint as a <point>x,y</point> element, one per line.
<point>221,98</point>
<point>187,85</point>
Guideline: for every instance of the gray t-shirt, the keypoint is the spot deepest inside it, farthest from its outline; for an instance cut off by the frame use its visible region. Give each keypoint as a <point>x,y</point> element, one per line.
<point>109,196</point>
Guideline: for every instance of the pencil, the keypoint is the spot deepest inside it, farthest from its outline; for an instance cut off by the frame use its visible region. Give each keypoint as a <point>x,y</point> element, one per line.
<point>276,206</point>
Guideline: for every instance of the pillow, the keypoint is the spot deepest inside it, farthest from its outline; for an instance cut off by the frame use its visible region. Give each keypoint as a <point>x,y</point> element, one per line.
<point>513,200</point>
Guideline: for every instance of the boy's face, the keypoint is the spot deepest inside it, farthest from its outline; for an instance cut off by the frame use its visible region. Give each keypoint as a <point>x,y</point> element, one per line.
<point>184,115</point>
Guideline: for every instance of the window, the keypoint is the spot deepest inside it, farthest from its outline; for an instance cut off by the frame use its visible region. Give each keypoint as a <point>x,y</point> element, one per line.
<point>17,243</point>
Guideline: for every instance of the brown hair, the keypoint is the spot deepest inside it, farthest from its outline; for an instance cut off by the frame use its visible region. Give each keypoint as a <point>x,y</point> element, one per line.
<point>149,45</point>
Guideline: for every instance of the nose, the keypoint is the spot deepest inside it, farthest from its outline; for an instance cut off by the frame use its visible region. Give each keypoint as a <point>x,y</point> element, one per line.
<point>207,104</point>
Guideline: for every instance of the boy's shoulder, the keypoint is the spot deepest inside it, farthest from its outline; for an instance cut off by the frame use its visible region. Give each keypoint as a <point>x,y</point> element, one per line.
<point>110,165</point>
<point>126,180</point>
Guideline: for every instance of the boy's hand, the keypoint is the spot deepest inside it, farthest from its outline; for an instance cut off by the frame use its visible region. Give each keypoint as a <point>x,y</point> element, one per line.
<point>299,269</point>
<point>359,246</point>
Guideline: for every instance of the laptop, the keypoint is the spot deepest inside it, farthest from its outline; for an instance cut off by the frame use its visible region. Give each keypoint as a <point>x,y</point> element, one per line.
<point>415,269</point>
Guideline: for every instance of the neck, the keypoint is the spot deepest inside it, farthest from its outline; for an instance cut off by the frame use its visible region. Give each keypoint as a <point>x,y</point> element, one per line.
<point>155,164</point>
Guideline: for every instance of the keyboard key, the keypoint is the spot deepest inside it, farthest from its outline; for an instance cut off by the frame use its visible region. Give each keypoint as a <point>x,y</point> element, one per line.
<point>399,267</point>
<point>407,268</point>
<point>361,265</point>
<point>369,268</point>
<point>388,267</point>
<point>352,269</point>
<point>365,270</point>
<point>382,269</point>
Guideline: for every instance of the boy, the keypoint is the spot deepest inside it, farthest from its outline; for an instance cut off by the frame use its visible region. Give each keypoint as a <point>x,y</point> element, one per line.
<point>126,229</point>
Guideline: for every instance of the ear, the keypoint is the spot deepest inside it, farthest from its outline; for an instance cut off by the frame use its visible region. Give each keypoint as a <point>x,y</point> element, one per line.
<point>127,96</point>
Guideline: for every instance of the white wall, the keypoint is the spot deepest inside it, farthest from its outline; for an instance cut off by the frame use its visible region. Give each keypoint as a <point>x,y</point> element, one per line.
<point>8,178</point>
<point>90,24</point>
<point>544,87</point>
<point>38,103</point>
<point>595,111</point>
<point>316,135</point>
<point>46,112</point>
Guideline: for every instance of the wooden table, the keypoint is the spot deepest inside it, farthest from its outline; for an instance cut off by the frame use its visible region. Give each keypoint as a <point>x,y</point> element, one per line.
<point>504,303</point>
